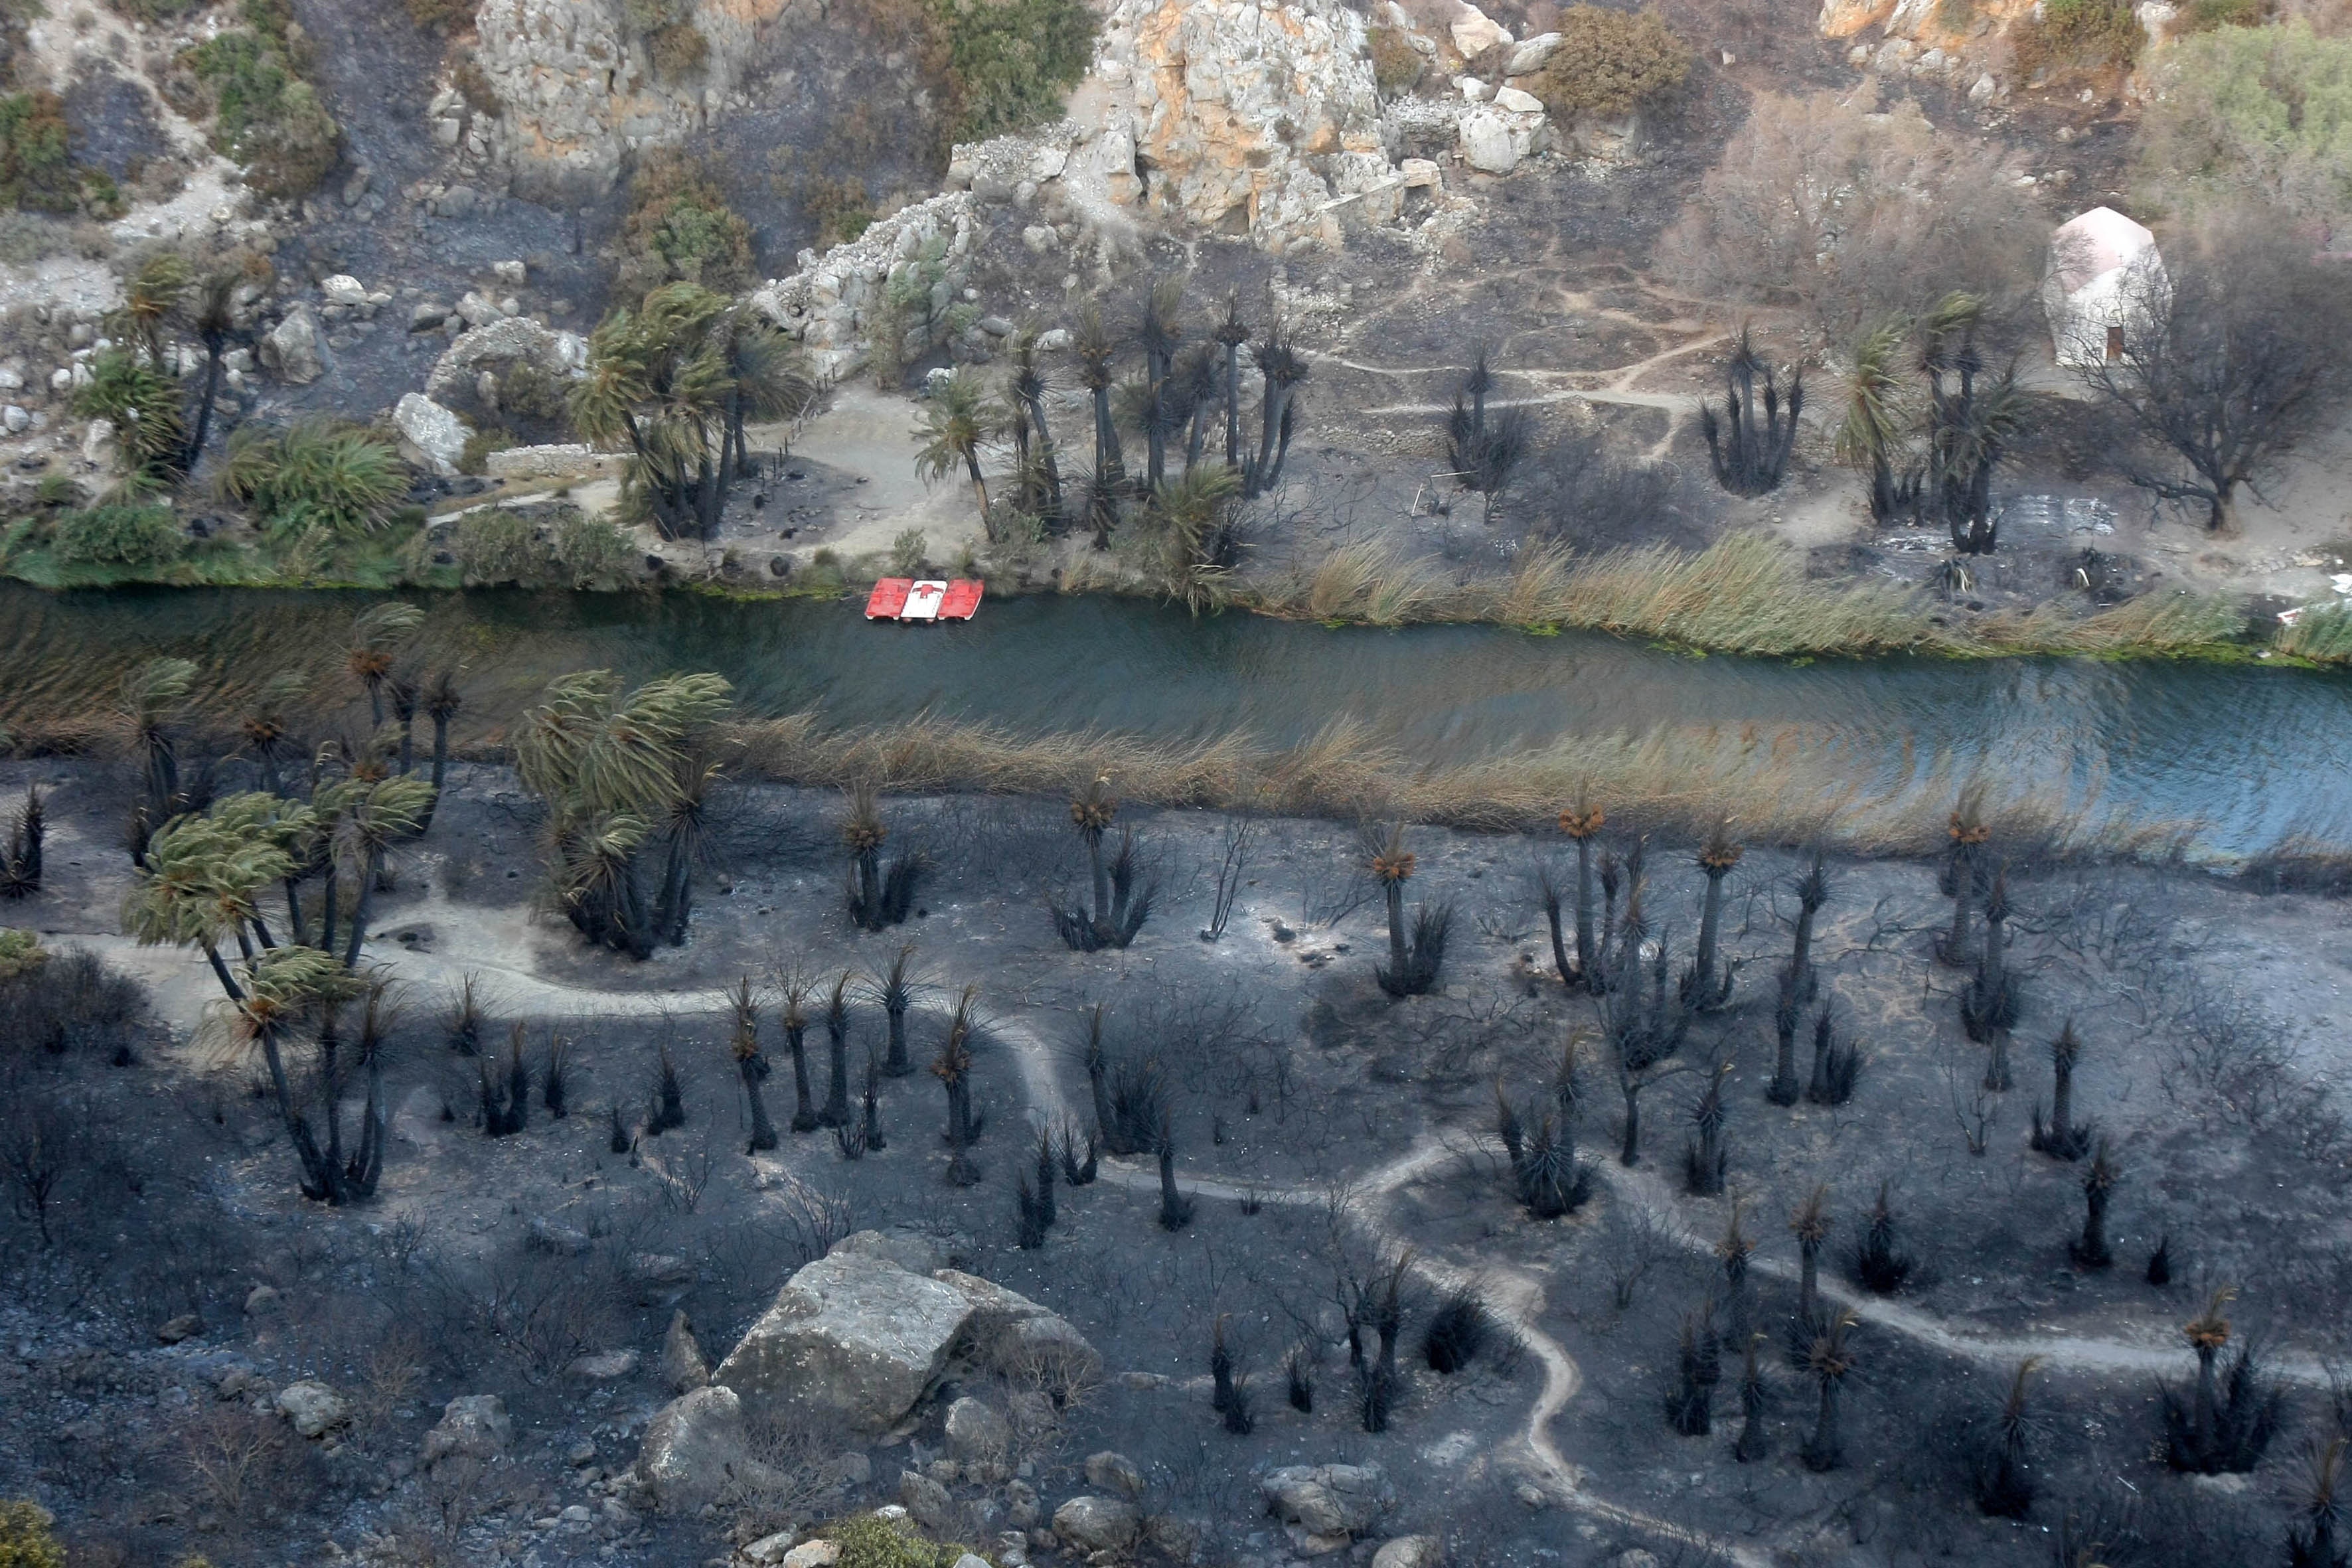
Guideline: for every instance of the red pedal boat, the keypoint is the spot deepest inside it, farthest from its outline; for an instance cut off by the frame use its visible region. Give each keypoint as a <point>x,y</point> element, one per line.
<point>923,599</point>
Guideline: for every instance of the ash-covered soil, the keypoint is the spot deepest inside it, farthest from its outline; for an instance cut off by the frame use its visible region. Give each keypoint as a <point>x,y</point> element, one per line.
<point>1322,1129</point>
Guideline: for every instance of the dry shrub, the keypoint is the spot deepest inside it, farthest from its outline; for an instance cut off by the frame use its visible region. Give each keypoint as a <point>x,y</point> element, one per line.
<point>2076,35</point>
<point>1396,64</point>
<point>1610,63</point>
<point>1826,204</point>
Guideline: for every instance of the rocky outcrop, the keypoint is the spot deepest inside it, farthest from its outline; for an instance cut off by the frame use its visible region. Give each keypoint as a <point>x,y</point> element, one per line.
<point>1240,117</point>
<point>493,350</point>
<point>313,1408</point>
<point>836,301</point>
<point>683,1368</point>
<point>696,1444</point>
<point>437,435</point>
<point>291,348</point>
<point>1962,44</point>
<point>577,89</point>
<point>852,1340</point>
<point>474,1429</point>
<point>1098,1523</point>
<point>1327,1500</point>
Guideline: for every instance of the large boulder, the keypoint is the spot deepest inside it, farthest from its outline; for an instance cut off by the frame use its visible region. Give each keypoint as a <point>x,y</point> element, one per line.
<point>683,1368</point>
<point>975,1431</point>
<point>850,1339</point>
<point>1010,1334</point>
<point>499,347</point>
<point>1328,1500</point>
<point>695,1446</point>
<point>313,1408</point>
<point>291,348</point>
<point>1098,1523</point>
<point>1410,1551</point>
<point>474,1428</point>
<point>437,433</point>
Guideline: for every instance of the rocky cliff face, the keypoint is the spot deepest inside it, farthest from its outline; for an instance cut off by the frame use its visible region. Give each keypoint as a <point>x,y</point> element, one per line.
<point>577,90</point>
<point>1965,45</point>
<point>1242,116</point>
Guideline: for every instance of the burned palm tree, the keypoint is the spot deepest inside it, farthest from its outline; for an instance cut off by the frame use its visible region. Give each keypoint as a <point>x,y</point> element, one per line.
<point>404,688</point>
<point>1706,986</point>
<point>2224,1426</point>
<point>1645,1027</point>
<point>1159,332</point>
<point>1582,823</point>
<point>1547,1177</point>
<point>1787,1011</point>
<point>1097,348</point>
<point>1812,890</point>
<point>2310,1539</point>
<point>1963,868</point>
<point>836,1052</point>
<point>2063,1138</point>
<point>1175,1208</point>
<point>1413,963</point>
<point>1837,1062</point>
<point>20,861</point>
<point>442,702</point>
<point>878,898</point>
<point>1281,367</point>
<point>264,730</point>
<point>953,1068</point>
<point>1026,388</point>
<point>1078,1170</point>
<point>1880,1264</point>
<point>1970,425</point>
<point>1830,1361</point>
<point>1699,1368</point>
<point>1755,1402</point>
<point>2005,1485</point>
<point>1989,1006</point>
<point>2089,1250</point>
<point>894,988</point>
<point>1121,908</point>
<point>1752,454</point>
<point>1811,1226</point>
<point>797,990</point>
<point>1048,1209</point>
<point>1231,334</point>
<point>1705,1159</point>
<point>751,1063</point>
<point>1735,1249</point>
<point>1199,389</point>
<point>869,1130</point>
<point>505,1095</point>
<point>1483,453</point>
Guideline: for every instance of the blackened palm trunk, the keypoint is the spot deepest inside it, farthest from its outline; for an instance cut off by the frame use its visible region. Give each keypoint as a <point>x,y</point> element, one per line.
<point>1586,955</point>
<point>754,1069</point>
<point>1046,458</point>
<point>440,768</point>
<point>1631,1153</point>
<point>1102,878</point>
<point>837,1085</point>
<point>803,1105</point>
<point>1232,406</point>
<point>897,1065</point>
<point>1396,930</point>
<point>360,911</point>
<point>1825,1451</point>
<point>1809,1282</point>
<point>1710,924</point>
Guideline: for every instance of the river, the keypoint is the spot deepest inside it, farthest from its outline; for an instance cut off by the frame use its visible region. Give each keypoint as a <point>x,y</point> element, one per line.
<point>2249,754</point>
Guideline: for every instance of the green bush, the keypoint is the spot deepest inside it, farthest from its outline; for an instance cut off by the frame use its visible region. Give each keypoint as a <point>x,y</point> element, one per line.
<point>1608,63</point>
<point>475,457</point>
<point>499,547</point>
<point>868,1541</point>
<point>2265,111</point>
<point>25,1538</point>
<point>594,551</point>
<point>20,953</point>
<point>2077,35</point>
<point>119,536</point>
<point>265,116</point>
<point>37,172</point>
<point>2204,15</point>
<point>680,229</point>
<point>143,402</point>
<point>337,477</point>
<point>1396,64</point>
<point>1010,63</point>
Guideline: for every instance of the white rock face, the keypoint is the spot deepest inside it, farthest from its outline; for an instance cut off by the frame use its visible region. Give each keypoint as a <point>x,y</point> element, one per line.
<point>1488,144</point>
<point>1328,1500</point>
<point>1233,103</point>
<point>473,1427</point>
<point>1098,1523</point>
<point>850,1339</point>
<point>343,289</point>
<point>439,435</point>
<point>1474,32</point>
<point>1517,101</point>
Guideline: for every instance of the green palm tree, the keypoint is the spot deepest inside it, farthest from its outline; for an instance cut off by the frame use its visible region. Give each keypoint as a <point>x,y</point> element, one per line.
<point>1878,412</point>
<point>663,379</point>
<point>1190,519</point>
<point>957,421</point>
<point>767,378</point>
<point>376,638</point>
<point>285,989</point>
<point>366,818</point>
<point>153,294</point>
<point>215,320</point>
<point>1027,387</point>
<point>197,888</point>
<point>153,695</point>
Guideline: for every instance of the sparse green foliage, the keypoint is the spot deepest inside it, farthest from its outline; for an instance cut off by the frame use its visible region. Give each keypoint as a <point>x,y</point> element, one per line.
<point>36,161</point>
<point>2264,112</point>
<point>143,402</point>
<point>265,116</point>
<point>2077,35</point>
<point>1010,62</point>
<point>1396,64</point>
<point>1608,63</point>
<point>119,535</point>
<point>25,1540</point>
<point>680,228</point>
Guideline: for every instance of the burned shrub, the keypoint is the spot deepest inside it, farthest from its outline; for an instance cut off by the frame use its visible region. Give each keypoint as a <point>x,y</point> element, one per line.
<point>2223,1424</point>
<point>1121,904</point>
<point>1699,1368</point>
<point>1413,963</point>
<point>2063,1138</point>
<point>1837,1064</point>
<point>2004,1481</point>
<point>1879,1265</point>
<point>1456,1331</point>
<point>69,1002</point>
<point>878,896</point>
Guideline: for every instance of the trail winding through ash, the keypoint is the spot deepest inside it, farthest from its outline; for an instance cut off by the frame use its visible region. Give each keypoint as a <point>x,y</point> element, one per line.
<point>183,986</point>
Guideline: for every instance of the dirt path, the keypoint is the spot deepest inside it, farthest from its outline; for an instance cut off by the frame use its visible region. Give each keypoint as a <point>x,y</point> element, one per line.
<point>186,992</point>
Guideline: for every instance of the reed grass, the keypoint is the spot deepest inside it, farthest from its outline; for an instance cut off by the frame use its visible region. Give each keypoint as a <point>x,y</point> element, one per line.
<point>2323,636</point>
<point>1788,785</point>
<point>1745,594</point>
